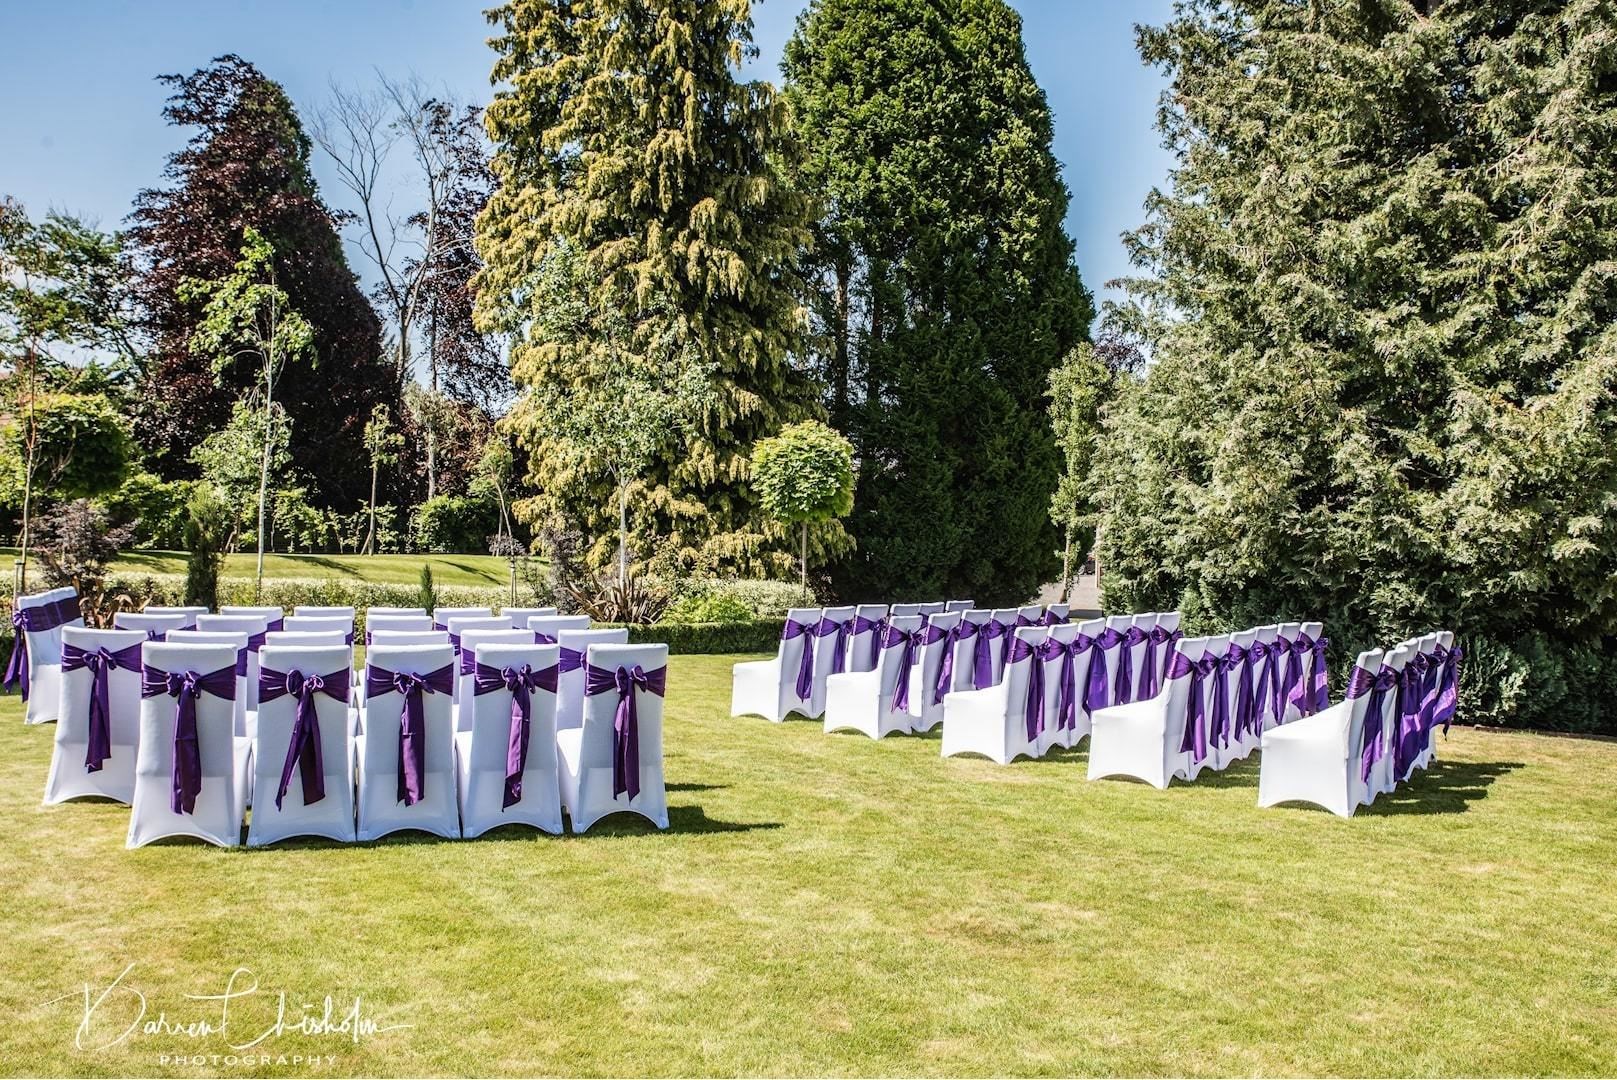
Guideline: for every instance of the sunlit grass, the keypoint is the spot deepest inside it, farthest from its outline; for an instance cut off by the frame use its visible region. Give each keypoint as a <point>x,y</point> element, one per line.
<point>832,905</point>
<point>380,569</point>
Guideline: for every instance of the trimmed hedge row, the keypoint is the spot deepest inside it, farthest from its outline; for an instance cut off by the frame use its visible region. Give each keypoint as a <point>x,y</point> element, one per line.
<point>755,636</point>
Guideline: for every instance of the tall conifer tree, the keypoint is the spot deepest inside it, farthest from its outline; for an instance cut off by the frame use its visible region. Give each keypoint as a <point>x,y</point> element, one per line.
<point>945,288</point>
<point>1383,315</point>
<point>625,138</point>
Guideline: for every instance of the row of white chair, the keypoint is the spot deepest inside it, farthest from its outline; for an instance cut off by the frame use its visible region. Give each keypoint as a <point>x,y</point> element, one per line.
<point>1382,731</point>
<point>314,765</point>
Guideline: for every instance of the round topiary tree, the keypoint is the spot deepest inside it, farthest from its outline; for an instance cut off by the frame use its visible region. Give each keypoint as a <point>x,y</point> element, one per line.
<point>804,475</point>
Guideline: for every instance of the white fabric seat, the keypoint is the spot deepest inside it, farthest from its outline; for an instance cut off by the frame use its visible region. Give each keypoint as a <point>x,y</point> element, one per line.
<point>465,668</point>
<point>225,759</point>
<point>768,688</point>
<point>482,748</point>
<point>114,778</point>
<point>381,810</point>
<point>1317,759</point>
<point>993,721</point>
<point>1142,739</point>
<point>575,645</point>
<point>925,703</point>
<point>586,753</point>
<point>863,700</point>
<point>331,815</point>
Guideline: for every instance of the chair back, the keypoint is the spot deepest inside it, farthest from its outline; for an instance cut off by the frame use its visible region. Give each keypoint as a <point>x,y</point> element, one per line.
<point>892,657</point>
<point>860,648</point>
<point>284,638</point>
<point>1018,677</point>
<point>123,690</point>
<point>466,672</point>
<point>384,710</point>
<point>246,662</point>
<point>383,623</point>
<point>928,665</point>
<point>575,645</point>
<point>441,616</point>
<point>1176,694</point>
<point>551,625</point>
<point>318,623</point>
<point>329,611</point>
<point>396,611</point>
<point>190,613</point>
<point>599,710</point>
<point>959,605</point>
<point>153,626</point>
<point>935,607</point>
<point>1358,712</point>
<point>407,637</point>
<point>216,741</point>
<point>488,716</point>
<point>518,616</point>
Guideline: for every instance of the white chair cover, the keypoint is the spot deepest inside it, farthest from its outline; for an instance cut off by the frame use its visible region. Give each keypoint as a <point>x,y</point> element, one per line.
<point>153,626</point>
<point>1082,661</point>
<point>190,613</point>
<point>861,647</point>
<point>465,668</point>
<point>317,623</point>
<point>483,748</point>
<point>225,759</point>
<point>44,673</point>
<point>863,700</point>
<point>244,720</point>
<point>331,814</point>
<point>1143,738</point>
<point>307,637</point>
<point>255,627</point>
<point>766,688</point>
<point>993,721</point>
<point>925,703</point>
<point>906,609</point>
<point>384,610</point>
<point>1056,735</point>
<point>1318,759</point>
<point>114,777</point>
<point>958,605</point>
<point>550,625</point>
<point>518,617</point>
<point>441,616</point>
<point>570,684</point>
<point>381,809</point>
<point>1237,744</point>
<point>376,622</point>
<point>588,753</point>
<point>409,637</point>
<point>333,611</point>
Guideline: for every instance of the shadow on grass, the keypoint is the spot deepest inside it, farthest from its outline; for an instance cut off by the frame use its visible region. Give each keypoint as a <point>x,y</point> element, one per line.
<point>695,787</point>
<point>474,571</point>
<point>1448,787</point>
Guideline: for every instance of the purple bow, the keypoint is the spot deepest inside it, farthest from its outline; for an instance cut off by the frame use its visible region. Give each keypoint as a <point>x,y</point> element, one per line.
<point>1151,672</point>
<point>520,682</point>
<point>1449,688</point>
<point>1194,742</point>
<point>982,672</point>
<point>1238,659</point>
<point>100,661</point>
<point>1095,696</point>
<point>1406,747</point>
<point>1218,724</point>
<point>878,631</point>
<point>1430,688</point>
<point>957,633</point>
<point>185,767</point>
<point>909,639</point>
<point>303,751</point>
<point>1361,682</point>
<point>1279,649</point>
<point>412,720</point>
<point>626,720</point>
<point>1123,685</point>
<point>1010,636</point>
<point>568,659</point>
<point>1042,653</point>
<point>1293,691</point>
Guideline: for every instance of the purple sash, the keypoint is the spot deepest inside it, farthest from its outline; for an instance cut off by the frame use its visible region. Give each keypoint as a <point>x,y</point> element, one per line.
<point>982,655</point>
<point>100,661</point>
<point>1218,724</point>
<point>1319,698</point>
<point>568,659</point>
<point>957,633</point>
<point>412,720</point>
<point>1123,685</point>
<point>1010,636</point>
<point>1052,618</point>
<point>1238,658</point>
<point>909,639</point>
<point>626,721</point>
<point>1194,742</point>
<point>878,631</point>
<point>1067,685</point>
<point>1260,655</point>
<point>1293,692</point>
<point>1361,682</point>
<point>1042,653</point>
<point>520,682</point>
<point>542,638</point>
<point>1095,697</point>
<point>1449,688</point>
<point>1430,688</point>
<point>1033,704</point>
<point>1279,649</point>
<point>1407,735</point>
<point>34,620</point>
<point>1151,672</point>
<point>303,750</point>
<point>185,767</point>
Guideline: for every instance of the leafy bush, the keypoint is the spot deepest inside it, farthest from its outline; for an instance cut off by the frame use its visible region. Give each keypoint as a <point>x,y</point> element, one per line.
<point>207,530</point>
<point>83,447</point>
<point>753,636</point>
<point>154,506</point>
<point>426,591</point>
<point>712,607</point>
<point>764,599</point>
<point>454,524</point>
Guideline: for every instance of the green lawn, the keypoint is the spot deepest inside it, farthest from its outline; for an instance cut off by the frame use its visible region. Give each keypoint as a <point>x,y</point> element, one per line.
<point>382,569</point>
<point>832,905</point>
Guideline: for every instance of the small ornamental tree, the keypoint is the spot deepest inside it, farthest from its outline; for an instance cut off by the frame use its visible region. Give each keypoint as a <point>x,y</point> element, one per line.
<point>249,317</point>
<point>207,525</point>
<point>383,443</point>
<point>802,476</point>
<point>1079,389</point>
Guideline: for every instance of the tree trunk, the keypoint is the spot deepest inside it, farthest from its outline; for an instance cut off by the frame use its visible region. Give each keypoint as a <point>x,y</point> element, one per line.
<point>32,444</point>
<point>623,536</point>
<point>1066,567</point>
<point>804,564</point>
<point>263,473</point>
<point>432,421</point>
<point>370,532</point>
<point>841,352</point>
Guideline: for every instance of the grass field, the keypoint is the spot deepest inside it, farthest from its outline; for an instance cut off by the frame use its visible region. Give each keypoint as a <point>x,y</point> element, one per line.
<point>395,569</point>
<point>832,905</point>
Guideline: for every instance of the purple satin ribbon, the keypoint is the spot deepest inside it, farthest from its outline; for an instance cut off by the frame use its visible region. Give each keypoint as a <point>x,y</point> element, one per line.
<point>1430,688</point>
<point>568,659</point>
<point>412,720</point>
<point>100,661</point>
<point>1010,636</point>
<point>1361,682</point>
<point>520,683</point>
<point>1238,659</point>
<point>1067,685</point>
<point>34,620</point>
<point>1095,688</point>
<point>1151,672</point>
<point>542,638</point>
<point>805,666</point>
<point>1279,649</point>
<point>303,750</point>
<point>1123,685</point>
<point>1195,742</point>
<point>1295,691</point>
<point>1406,736</point>
<point>185,687</point>
<point>908,640</point>
<point>1449,688</point>
<point>629,683</point>
<point>957,633</point>
<point>1260,655</point>
<point>1218,721</point>
<point>1319,699</point>
<point>982,657</point>
<point>1042,653</point>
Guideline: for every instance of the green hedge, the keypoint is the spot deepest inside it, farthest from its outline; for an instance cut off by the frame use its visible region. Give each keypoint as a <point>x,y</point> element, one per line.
<point>756,636</point>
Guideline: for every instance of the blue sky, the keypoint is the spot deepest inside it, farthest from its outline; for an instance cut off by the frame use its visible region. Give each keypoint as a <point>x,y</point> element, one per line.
<point>81,128</point>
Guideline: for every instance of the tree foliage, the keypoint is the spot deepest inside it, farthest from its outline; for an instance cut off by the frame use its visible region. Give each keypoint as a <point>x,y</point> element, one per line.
<point>1381,307</point>
<point>247,165</point>
<point>804,474</point>
<point>944,287</point>
<point>1079,391</point>
<point>82,450</point>
<point>628,149</point>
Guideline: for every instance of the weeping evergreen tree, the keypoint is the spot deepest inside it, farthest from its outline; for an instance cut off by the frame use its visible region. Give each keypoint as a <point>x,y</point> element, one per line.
<point>1382,305</point>
<point>944,288</point>
<point>625,141</point>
